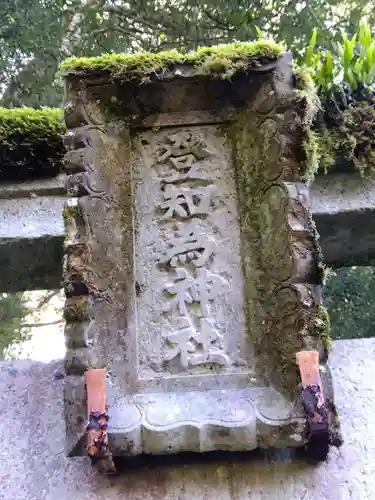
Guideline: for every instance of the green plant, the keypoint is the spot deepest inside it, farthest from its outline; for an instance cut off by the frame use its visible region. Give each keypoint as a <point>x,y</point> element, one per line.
<point>321,64</point>
<point>352,61</point>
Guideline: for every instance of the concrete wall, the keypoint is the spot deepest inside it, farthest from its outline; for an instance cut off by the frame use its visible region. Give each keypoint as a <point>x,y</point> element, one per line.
<point>34,467</point>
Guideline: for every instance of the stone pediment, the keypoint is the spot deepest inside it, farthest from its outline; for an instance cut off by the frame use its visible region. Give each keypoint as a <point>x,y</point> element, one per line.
<point>192,269</point>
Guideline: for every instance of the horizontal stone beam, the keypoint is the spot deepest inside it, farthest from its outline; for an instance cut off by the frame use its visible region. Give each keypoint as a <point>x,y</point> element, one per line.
<point>343,207</point>
<point>31,235</point>
<point>31,228</point>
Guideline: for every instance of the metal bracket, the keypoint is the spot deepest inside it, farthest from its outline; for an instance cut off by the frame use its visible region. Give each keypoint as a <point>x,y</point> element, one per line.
<point>96,430</point>
<point>314,405</point>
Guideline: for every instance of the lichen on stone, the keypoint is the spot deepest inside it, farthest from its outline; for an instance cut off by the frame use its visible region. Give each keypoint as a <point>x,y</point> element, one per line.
<point>257,160</point>
<point>220,61</point>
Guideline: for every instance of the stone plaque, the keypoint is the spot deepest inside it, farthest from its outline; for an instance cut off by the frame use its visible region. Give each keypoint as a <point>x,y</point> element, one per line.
<point>190,305</point>
<point>192,267</point>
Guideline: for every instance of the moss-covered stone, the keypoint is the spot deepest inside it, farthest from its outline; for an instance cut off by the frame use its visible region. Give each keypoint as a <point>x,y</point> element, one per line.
<point>307,99</point>
<point>220,61</point>
<point>279,143</point>
<point>352,137</point>
<point>76,309</point>
<point>38,123</point>
<point>31,144</point>
<point>321,328</point>
<point>335,136</point>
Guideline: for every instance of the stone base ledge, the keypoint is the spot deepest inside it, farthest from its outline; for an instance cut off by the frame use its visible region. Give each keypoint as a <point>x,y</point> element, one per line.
<point>202,421</point>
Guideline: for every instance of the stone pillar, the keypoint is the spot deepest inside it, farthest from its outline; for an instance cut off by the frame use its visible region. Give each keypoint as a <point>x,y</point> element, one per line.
<point>192,268</point>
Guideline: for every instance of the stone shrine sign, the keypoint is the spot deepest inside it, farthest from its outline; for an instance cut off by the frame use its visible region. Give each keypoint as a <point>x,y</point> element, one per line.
<point>186,216</point>
<point>192,268</point>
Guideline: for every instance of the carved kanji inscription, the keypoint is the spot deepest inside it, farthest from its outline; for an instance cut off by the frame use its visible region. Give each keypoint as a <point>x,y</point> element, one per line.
<point>192,269</point>
<point>188,244</point>
<point>187,289</point>
<point>185,201</point>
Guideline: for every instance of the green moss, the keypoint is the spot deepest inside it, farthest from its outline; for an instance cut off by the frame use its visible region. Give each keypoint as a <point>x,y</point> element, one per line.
<point>220,61</point>
<point>31,143</point>
<point>71,213</point>
<point>322,328</point>
<point>358,133</point>
<point>305,92</point>
<point>352,138</point>
<point>76,309</point>
<point>30,122</point>
<point>347,138</point>
<point>307,99</point>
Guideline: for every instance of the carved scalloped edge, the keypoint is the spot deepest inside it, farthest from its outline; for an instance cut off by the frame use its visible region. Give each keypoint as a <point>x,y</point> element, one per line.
<point>303,288</point>
<point>78,303</point>
<point>302,312</point>
<point>242,422</point>
<point>78,287</point>
<point>207,436</point>
<point>307,277</point>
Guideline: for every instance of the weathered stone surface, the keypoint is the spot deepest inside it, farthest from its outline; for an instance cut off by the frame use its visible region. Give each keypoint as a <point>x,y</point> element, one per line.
<point>198,260</point>
<point>32,433</point>
<point>188,250</point>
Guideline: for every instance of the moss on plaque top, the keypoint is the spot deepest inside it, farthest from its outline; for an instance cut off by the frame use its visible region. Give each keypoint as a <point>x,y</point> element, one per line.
<point>220,61</point>
<point>31,144</point>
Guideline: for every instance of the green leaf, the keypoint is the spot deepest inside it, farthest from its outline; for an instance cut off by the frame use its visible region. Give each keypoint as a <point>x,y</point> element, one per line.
<point>367,40</point>
<point>259,32</point>
<point>351,79</point>
<point>358,68</point>
<point>362,31</point>
<point>310,50</point>
<point>329,65</point>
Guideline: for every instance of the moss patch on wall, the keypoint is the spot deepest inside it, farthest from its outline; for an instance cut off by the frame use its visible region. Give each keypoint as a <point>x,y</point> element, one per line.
<point>220,61</point>
<point>351,136</point>
<point>289,327</point>
<point>335,134</point>
<point>31,144</point>
<point>321,328</point>
<point>308,101</point>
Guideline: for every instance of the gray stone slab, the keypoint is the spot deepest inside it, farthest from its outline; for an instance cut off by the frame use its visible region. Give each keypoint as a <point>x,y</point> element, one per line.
<point>169,324</point>
<point>34,466</point>
<point>341,193</point>
<point>344,210</point>
<point>43,187</point>
<point>200,421</point>
<point>31,235</point>
<point>33,217</point>
<point>31,263</point>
